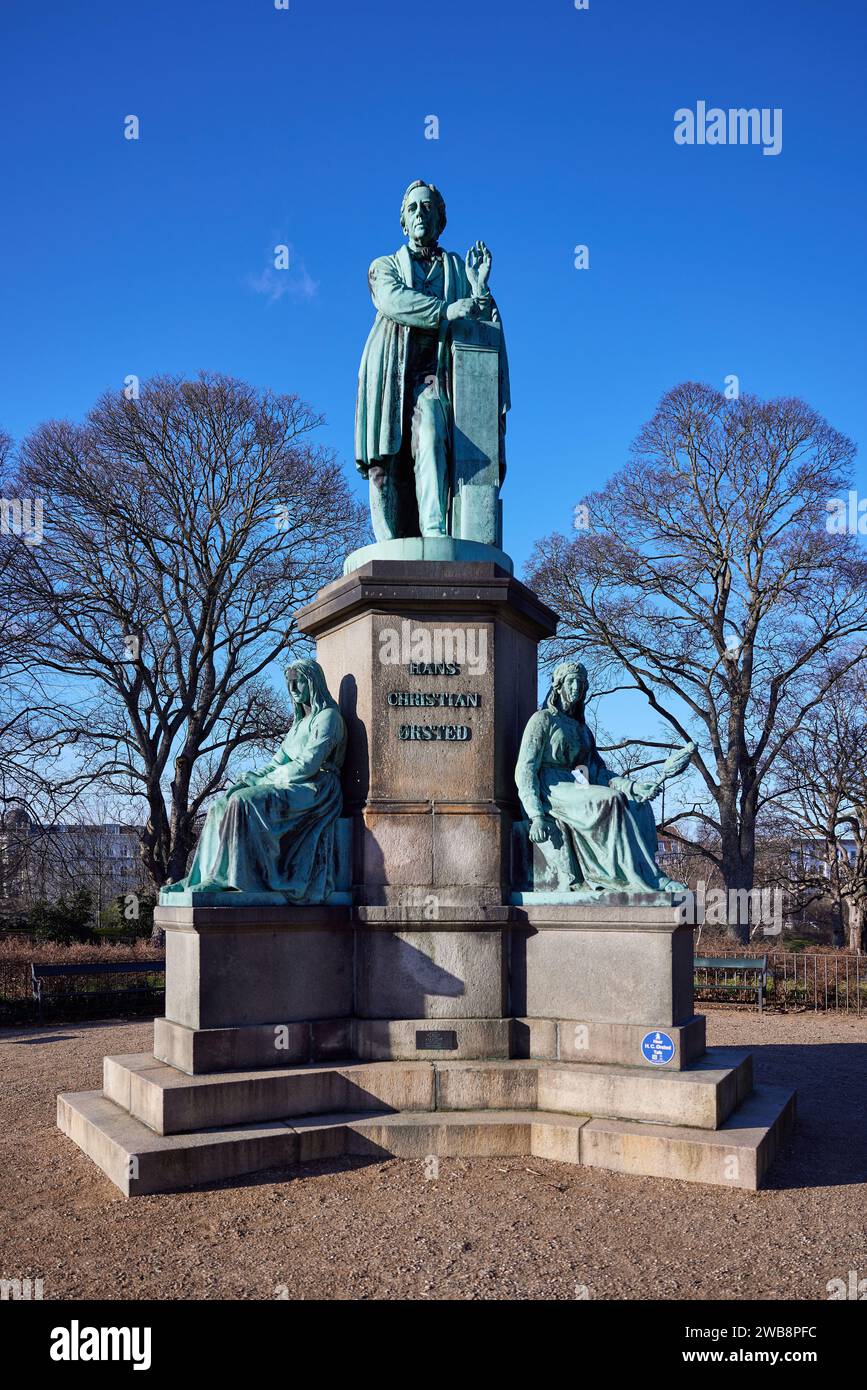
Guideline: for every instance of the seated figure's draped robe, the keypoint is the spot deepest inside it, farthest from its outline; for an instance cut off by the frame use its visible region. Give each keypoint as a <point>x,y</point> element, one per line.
<point>274,830</point>
<point>612,838</point>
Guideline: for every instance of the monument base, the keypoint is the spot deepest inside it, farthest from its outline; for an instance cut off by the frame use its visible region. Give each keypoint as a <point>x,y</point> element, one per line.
<point>419,1110</point>
<point>558,1031</point>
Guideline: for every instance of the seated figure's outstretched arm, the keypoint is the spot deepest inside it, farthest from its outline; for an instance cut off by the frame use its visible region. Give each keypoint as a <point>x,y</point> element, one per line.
<point>642,789</point>
<point>599,774</point>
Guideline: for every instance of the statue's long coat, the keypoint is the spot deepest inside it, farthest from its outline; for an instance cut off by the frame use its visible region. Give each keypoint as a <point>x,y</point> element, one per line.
<point>379,411</point>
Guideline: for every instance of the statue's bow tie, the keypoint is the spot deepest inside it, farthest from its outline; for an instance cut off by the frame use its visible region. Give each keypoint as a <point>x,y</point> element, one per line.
<point>426,253</point>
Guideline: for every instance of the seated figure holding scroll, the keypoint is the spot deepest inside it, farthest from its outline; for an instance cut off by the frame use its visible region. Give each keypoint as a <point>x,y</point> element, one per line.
<point>273,831</point>
<point>605,824</point>
<point>404,418</point>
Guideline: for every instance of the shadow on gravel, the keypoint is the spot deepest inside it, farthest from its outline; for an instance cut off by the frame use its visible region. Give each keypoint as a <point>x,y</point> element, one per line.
<point>830,1140</point>
<point>47,1032</point>
<point>295,1172</point>
<point>34,1042</point>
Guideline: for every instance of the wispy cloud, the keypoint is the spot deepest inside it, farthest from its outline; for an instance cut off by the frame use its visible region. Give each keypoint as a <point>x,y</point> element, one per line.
<point>294,279</point>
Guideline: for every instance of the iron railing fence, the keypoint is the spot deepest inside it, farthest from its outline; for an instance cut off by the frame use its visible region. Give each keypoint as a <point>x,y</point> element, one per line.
<point>824,981</point>
<point>108,994</point>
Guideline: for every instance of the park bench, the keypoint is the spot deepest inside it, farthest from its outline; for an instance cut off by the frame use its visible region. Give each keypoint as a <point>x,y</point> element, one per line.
<point>42,973</point>
<point>754,967</point>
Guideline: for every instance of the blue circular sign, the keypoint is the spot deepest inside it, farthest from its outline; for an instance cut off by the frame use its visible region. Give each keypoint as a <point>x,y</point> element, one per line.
<point>658,1048</point>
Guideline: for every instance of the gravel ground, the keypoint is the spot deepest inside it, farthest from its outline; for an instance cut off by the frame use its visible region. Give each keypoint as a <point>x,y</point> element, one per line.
<point>487,1228</point>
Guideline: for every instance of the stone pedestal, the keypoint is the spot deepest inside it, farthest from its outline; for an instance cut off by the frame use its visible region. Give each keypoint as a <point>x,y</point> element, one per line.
<point>233,967</point>
<point>261,987</point>
<point>435,668</point>
<point>602,964</point>
<point>439,1004</point>
<point>547,1030</point>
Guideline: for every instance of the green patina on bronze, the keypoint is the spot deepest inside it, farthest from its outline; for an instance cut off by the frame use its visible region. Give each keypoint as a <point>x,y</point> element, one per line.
<point>433,386</point>
<point>273,831</point>
<point>602,831</point>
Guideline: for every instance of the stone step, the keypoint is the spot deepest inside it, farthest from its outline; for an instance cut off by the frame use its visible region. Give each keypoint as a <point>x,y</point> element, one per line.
<point>172,1102</point>
<point>169,1101</point>
<point>199,1051</point>
<point>702,1096</point>
<point>738,1154</point>
<point>139,1161</point>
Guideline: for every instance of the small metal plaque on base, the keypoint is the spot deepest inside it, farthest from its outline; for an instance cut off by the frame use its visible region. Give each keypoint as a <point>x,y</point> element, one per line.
<point>442,1041</point>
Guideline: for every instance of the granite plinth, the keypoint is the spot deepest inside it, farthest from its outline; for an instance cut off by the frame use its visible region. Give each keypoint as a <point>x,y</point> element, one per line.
<point>428,550</point>
<point>443,662</point>
<point>199,1050</point>
<point>276,966</point>
<point>628,964</point>
<point>230,967</point>
<point>430,1076</point>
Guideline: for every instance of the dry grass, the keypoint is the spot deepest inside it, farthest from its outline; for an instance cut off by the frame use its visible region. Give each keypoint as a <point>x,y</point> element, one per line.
<point>52,953</point>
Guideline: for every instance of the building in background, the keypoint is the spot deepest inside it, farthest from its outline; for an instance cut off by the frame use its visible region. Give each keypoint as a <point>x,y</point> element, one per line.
<point>43,862</point>
<point>810,854</point>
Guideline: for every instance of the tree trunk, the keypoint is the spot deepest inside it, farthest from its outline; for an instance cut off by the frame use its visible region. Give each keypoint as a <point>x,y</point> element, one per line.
<point>155,839</point>
<point>154,849</point>
<point>839,927</point>
<point>180,836</point>
<point>738,870</point>
<point>855,925</point>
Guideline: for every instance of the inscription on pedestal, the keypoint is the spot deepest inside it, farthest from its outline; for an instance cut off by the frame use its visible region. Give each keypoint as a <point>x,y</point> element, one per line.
<point>433,709</point>
<point>430,733</point>
<point>429,650</point>
<point>433,699</point>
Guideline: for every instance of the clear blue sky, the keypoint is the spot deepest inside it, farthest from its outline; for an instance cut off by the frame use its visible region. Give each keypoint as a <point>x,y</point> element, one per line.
<point>261,126</point>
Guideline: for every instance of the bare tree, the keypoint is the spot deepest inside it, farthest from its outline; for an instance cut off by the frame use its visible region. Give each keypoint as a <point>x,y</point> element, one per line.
<point>706,578</point>
<point>10,638</point>
<point>26,785</point>
<point>182,531</point>
<point>821,792</point>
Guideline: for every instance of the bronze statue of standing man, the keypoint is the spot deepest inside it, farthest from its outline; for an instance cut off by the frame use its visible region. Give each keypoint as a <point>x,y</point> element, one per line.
<point>404,420</point>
